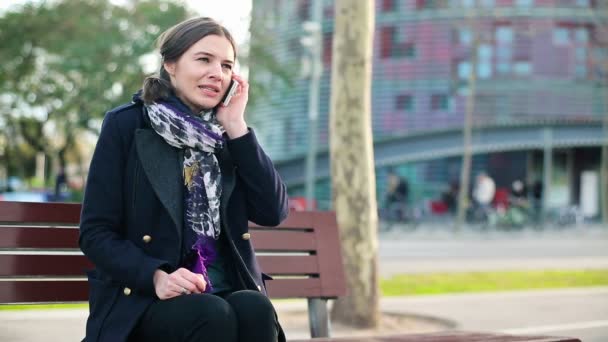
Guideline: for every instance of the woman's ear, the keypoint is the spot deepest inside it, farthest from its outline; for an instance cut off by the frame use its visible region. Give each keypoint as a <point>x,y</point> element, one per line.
<point>169,67</point>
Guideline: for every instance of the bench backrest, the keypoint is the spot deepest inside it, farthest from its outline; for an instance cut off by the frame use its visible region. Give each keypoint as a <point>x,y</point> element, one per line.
<point>40,260</point>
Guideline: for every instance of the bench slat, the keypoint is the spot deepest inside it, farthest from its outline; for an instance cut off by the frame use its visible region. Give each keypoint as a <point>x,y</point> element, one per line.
<point>294,288</point>
<point>43,265</point>
<point>46,237</point>
<point>75,265</point>
<point>299,220</point>
<point>76,290</point>
<point>22,212</point>
<point>30,237</point>
<point>289,264</point>
<point>43,291</point>
<point>278,239</point>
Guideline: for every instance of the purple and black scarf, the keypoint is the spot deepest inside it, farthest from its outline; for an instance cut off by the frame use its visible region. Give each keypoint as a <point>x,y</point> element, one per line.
<point>199,136</point>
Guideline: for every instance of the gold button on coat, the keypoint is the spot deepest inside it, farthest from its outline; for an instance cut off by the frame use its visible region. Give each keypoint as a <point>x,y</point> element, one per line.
<point>147,238</point>
<point>246,236</point>
<point>127,291</point>
<point>259,288</point>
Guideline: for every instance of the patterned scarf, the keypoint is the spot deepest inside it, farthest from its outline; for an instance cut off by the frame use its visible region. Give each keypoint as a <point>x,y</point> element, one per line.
<point>199,136</point>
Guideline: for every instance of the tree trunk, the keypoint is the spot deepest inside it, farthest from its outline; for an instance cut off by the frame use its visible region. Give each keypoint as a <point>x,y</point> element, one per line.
<point>352,161</point>
<point>467,131</point>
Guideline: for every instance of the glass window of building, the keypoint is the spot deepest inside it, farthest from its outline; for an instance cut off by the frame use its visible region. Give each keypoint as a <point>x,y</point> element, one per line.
<point>394,44</point>
<point>599,54</point>
<point>439,102</point>
<point>464,70</point>
<point>485,52</point>
<point>386,41</point>
<point>290,136</point>
<point>581,54</point>
<point>580,68</point>
<point>504,49</point>
<point>304,10</point>
<point>581,35</point>
<point>503,59</point>
<point>484,70</point>
<point>522,68</point>
<point>484,66</point>
<point>583,3</point>
<point>404,102</point>
<point>504,34</point>
<point>561,36</point>
<point>465,36</point>
<point>388,5</point>
<point>487,3</point>
<point>467,3</point>
<point>406,50</point>
<point>431,4</point>
<point>503,67</point>
<point>328,39</point>
<point>524,3</point>
<point>422,4</point>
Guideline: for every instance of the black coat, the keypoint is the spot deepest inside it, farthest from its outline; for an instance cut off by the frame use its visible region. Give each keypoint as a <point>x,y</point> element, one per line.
<point>132,216</point>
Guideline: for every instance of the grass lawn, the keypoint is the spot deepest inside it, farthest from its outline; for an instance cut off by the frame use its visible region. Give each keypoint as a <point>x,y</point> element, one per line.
<point>44,306</point>
<point>442,283</point>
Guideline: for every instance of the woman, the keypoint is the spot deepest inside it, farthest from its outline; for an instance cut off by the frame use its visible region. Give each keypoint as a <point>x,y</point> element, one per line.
<point>174,179</point>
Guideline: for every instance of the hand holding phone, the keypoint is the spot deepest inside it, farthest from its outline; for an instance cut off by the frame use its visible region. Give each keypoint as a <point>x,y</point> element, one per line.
<point>231,114</point>
<point>230,92</point>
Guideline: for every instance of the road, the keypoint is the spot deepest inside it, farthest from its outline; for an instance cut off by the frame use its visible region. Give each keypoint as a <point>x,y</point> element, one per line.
<point>439,250</point>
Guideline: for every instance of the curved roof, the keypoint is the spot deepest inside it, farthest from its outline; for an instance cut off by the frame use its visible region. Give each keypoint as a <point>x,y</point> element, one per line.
<point>443,144</point>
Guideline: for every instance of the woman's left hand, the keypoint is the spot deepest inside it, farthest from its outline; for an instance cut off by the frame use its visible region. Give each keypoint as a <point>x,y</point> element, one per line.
<point>232,116</point>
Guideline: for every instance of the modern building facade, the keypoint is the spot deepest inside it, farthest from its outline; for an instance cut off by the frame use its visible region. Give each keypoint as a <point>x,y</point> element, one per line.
<point>541,76</point>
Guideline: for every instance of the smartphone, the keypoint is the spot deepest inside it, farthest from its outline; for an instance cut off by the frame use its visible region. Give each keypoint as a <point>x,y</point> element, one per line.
<point>230,92</point>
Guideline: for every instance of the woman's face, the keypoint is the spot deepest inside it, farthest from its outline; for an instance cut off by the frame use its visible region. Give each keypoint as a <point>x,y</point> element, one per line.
<point>202,74</point>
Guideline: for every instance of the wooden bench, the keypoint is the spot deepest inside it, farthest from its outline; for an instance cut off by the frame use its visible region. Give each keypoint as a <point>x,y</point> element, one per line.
<point>40,262</point>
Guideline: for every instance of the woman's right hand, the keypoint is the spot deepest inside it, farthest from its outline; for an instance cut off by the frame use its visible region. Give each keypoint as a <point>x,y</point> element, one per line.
<point>178,283</point>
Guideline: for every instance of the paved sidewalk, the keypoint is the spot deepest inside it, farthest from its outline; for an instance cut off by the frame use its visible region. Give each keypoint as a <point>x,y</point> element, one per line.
<point>579,312</point>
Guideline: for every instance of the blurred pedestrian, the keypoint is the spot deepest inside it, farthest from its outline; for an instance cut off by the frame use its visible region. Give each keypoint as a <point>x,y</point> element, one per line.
<point>396,196</point>
<point>61,184</point>
<point>519,193</point>
<point>450,197</point>
<point>484,190</point>
<point>483,195</point>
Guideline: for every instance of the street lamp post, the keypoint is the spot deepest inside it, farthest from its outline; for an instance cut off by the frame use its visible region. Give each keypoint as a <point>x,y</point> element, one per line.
<point>311,41</point>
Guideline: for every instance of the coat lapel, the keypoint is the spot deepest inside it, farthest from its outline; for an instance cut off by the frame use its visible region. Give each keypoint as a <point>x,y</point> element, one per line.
<point>228,179</point>
<point>163,165</point>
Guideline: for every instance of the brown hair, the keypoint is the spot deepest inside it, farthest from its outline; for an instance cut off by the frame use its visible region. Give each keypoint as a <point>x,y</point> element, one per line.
<point>173,43</point>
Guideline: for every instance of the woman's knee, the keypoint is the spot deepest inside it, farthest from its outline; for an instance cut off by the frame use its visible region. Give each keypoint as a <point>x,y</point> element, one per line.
<point>188,318</point>
<point>251,303</point>
<point>256,317</point>
<point>211,315</point>
<point>249,296</point>
<point>209,307</point>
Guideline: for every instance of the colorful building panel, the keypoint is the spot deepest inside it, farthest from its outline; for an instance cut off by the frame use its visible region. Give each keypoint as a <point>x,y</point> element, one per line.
<point>538,63</point>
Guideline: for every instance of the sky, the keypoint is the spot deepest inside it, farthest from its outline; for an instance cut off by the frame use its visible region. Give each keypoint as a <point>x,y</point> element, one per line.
<point>234,14</point>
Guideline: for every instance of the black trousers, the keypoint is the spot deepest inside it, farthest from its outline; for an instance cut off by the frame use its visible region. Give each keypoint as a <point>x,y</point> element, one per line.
<point>240,316</point>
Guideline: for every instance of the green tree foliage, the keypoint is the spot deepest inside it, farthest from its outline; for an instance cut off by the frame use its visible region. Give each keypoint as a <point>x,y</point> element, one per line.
<point>67,62</point>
